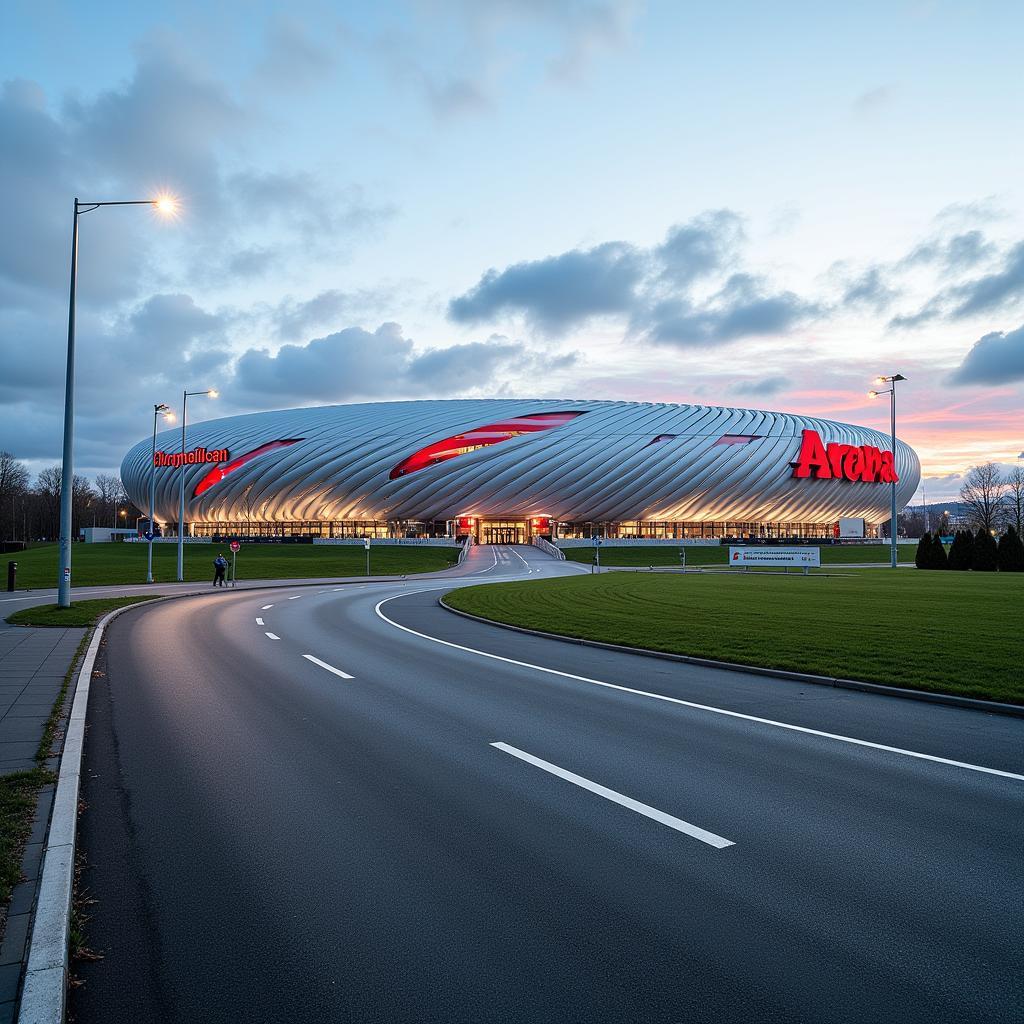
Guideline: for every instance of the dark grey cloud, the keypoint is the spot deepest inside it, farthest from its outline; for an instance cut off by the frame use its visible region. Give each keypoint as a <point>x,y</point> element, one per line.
<point>744,308</point>
<point>358,364</point>
<point>870,290</point>
<point>700,247</point>
<point>997,358</point>
<point>1003,287</point>
<point>559,292</point>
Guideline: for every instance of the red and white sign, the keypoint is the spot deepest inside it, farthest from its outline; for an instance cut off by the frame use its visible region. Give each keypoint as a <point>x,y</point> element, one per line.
<point>235,545</point>
<point>843,461</point>
<point>192,458</point>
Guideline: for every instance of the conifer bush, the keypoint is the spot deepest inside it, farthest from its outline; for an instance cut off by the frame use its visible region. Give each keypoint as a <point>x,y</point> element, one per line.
<point>960,551</point>
<point>985,554</point>
<point>923,553</point>
<point>938,553</point>
<point>1010,555</point>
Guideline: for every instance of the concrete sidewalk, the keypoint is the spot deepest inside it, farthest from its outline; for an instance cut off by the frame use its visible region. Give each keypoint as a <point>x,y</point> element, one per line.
<point>33,663</point>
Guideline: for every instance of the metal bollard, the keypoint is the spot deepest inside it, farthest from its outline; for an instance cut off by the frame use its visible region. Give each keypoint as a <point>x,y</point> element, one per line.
<point>12,574</point>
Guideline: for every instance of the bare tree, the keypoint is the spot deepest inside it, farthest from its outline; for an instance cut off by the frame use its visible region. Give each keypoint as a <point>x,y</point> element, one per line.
<point>108,491</point>
<point>1013,500</point>
<point>982,495</point>
<point>13,487</point>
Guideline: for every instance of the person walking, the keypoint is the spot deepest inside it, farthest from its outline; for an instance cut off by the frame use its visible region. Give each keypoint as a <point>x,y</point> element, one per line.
<point>220,565</point>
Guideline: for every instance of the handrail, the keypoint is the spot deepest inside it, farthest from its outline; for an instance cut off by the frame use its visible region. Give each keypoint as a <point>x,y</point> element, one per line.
<point>548,548</point>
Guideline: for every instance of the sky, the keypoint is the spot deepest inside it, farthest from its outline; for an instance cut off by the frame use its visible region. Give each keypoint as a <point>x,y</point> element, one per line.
<point>745,204</point>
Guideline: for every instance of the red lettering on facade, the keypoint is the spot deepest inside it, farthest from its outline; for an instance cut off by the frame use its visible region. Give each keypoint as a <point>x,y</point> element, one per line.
<point>843,461</point>
<point>192,458</point>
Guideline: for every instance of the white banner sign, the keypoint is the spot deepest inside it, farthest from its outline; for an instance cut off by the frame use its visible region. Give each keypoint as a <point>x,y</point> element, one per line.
<point>803,557</point>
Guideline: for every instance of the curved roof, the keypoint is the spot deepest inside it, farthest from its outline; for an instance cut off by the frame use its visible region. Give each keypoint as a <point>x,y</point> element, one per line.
<point>575,461</point>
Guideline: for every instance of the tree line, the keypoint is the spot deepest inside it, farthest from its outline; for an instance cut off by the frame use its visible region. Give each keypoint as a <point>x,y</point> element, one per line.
<point>979,552</point>
<point>30,509</point>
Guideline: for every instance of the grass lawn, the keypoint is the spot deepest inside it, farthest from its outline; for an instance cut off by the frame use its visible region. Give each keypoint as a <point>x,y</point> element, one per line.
<point>81,613</point>
<point>838,555</point>
<point>957,632</point>
<point>97,564</point>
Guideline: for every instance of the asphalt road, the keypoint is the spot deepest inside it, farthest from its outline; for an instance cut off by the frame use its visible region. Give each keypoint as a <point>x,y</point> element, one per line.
<point>347,804</point>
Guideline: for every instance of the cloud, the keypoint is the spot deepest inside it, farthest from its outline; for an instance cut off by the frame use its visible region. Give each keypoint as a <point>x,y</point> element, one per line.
<point>874,99</point>
<point>294,59</point>
<point>870,290</point>
<point>743,308</point>
<point>701,246</point>
<point>763,388</point>
<point>357,364</point>
<point>1001,288</point>
<point>558,292</point>
<point>959,252</point>
<point>996,358</point>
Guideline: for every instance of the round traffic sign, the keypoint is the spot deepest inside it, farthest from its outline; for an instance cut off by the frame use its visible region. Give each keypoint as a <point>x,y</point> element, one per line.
<point>235,545</point>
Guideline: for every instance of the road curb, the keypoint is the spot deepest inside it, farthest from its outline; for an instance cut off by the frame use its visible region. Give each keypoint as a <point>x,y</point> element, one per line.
<point>947,699</point>
<point>44,992</point>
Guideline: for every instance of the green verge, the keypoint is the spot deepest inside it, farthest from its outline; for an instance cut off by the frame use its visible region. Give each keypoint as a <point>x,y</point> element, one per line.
<point>669,555</point>
<point>949,632</point>
<point>101,564</point>
<point>81,613</point>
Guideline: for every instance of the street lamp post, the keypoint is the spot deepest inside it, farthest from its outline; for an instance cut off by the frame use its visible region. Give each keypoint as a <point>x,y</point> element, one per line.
<point>891,392</point>
<point>185,396</point>
<point>165,205</point>
<point>169,416</point>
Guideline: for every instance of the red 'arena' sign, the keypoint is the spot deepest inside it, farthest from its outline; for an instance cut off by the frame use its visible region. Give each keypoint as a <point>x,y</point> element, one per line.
<point>192,458</point>
<point>843,461</point>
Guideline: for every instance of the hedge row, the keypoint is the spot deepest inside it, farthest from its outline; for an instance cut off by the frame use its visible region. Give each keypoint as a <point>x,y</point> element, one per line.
<point>978,551</point>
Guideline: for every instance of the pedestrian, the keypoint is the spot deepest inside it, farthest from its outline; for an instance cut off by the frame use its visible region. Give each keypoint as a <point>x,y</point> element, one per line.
<point>220,564</point>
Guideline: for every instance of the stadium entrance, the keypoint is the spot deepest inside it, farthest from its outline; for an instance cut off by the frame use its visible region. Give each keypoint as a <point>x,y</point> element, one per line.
<point>503,531</point>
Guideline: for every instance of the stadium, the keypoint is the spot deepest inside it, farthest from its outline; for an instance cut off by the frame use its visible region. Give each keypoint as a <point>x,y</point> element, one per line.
<point>505,470</point>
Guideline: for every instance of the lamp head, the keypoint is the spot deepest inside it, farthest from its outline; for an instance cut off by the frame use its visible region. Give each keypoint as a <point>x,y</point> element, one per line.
<point>213,393</point>
<point>872,394</point>
<point>166,204</point>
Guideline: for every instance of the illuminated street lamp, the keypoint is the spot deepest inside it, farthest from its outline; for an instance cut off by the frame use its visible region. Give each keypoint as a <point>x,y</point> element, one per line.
<point>891,392</point>
<point>185,396</point>
<point>160,409</point>
<point>165,205</point>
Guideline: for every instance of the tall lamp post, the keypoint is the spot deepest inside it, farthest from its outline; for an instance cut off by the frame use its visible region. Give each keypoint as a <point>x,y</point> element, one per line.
<point>166,205</point>
<point>185,396</point>
<point>891,392</point>
<point>158,410</point>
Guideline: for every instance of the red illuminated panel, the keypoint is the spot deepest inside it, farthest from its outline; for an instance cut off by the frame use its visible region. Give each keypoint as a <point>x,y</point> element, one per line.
<point>219,472</point>
<point>481,437</point>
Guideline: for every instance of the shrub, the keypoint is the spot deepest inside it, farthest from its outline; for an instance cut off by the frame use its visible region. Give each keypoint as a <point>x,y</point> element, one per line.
<point>960,551</point>
<point>1010,555</point>
<point>984,557</point>
<point>922,556</point>
<point>938,554</point>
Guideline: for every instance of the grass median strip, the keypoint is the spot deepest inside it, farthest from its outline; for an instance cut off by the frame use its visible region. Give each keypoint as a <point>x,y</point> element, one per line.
<point>81,613</point>
<point>99,564</point>
<point>945,632</point>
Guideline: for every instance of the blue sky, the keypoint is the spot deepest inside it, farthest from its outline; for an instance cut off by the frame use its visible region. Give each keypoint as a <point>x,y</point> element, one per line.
<point>734,203</point>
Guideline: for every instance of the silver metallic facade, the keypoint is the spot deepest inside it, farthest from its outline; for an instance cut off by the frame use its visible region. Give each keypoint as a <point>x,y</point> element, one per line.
<point>612,462</point>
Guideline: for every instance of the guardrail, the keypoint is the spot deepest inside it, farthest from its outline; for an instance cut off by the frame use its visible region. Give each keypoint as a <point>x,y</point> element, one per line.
<point>466,545</point>
<point>548,548</point>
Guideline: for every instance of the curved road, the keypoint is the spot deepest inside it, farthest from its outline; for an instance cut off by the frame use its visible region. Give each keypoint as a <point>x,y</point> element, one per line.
<point>347,804</point>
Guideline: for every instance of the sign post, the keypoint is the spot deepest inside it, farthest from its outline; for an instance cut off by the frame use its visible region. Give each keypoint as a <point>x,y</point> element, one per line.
<point>682,557</point>
<point>234,554</point>
<point>366,544</point>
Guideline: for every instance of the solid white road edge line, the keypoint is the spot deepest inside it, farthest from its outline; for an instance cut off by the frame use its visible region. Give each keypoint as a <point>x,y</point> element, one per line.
<point>259,621</point>
<point>330,668</point>
<point>295,598</point>
<point>701,707</point>
<point>265,607</point>
<point>695,831</point>
<point>273,636</point>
